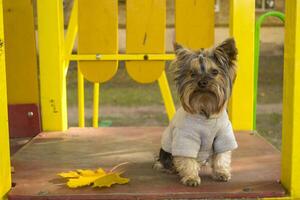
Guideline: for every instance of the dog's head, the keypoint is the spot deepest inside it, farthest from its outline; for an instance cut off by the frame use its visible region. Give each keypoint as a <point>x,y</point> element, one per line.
<point>204,78</point>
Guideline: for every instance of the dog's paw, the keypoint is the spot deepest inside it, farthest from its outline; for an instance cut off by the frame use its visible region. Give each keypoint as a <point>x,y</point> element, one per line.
<point>159,167</point>
<point>191,181</point>
<point>222,176</point>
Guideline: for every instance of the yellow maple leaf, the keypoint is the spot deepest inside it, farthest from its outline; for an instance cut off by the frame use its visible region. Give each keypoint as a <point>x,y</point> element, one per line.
<point>70,174</point>
<point>88,172</point>
<point>81,181</point>
<point>110,179</point>
<point>98,178</point>
<point>85,177</point>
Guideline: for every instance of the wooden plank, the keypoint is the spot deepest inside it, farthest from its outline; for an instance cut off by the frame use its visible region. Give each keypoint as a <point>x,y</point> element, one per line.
<point>98,33</point>
<point>194,23</point>
<point>5,177</point>
<point>145,33</point>
<point>52,65</point>
<point>242,21</point>
<point>20,47</point>
<point>255,174</point>
<point>290,171</point>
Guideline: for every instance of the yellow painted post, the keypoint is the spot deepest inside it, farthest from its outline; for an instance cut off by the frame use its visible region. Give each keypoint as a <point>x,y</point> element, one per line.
<point>194,23</point>
<point>290,168</point>
<point>167,96</point>
<point>96,105</point>
<point>21,60</point>
<point>80,88</point>
<point>242,19</point>
<point>98,34</point>
<point>5,177</point>
<point>52,65</point>
<point>71,33</point>
<point>145,33</point>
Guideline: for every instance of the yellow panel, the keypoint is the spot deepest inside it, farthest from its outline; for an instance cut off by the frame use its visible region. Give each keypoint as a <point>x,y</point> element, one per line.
<point>98,33</point>
<point>145,33</point>
<point>290,167</point>
<point>52,64</point>
<point>242,21</point>
<point>194,23</point>
<point>21,61</point>
<point>5,178</point>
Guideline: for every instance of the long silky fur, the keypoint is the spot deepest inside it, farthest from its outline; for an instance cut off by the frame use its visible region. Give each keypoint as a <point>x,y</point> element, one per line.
<point>212,100</point>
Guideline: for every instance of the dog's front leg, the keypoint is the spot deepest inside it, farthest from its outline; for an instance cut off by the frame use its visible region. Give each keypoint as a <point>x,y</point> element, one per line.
<point>221,166</point>
<point>188,169</point>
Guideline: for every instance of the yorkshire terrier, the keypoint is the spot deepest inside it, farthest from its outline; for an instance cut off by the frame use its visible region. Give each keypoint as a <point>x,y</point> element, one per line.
<point>200,131</point>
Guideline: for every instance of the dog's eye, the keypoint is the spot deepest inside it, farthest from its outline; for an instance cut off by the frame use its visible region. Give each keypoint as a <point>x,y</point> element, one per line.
<point>215,72</point>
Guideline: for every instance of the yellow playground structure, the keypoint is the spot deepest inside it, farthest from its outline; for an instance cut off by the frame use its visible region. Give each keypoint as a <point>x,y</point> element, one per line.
<point>39,91</point>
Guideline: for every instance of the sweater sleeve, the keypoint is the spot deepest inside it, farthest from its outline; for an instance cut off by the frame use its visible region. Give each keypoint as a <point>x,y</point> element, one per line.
<point>225,139</point>
<point>185,143</point>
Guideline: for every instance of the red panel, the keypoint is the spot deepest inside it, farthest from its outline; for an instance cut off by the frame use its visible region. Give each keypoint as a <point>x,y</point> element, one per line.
<point>24,120</point>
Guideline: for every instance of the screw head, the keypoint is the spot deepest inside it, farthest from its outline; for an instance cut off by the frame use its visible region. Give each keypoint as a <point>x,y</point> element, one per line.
<point>30,114</point>
<point>98,56</point>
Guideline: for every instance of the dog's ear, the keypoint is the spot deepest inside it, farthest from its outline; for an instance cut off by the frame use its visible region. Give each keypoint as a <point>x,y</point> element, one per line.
<point>227,48</point>
<point>181,52</point>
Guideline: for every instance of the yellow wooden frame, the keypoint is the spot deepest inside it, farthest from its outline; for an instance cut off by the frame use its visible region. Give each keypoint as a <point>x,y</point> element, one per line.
<point>242,25</point>
<point>290,164</point>
<point>123,57</point>
<point>21,62</point>
<point>145,33</point>
<point>69,42</point>
<point>5,177</point>
<point>195,29</point>
<point>52,65</point>
<point>53,62</point>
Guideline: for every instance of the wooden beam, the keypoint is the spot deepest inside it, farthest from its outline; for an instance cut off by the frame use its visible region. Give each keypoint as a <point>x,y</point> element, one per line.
<point>242,20</point>
<point>5,177</point>
<point>290,167</point>
<point>52,64</point>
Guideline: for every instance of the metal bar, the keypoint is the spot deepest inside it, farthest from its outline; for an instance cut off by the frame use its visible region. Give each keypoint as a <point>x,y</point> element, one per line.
<point>71,33</point>
<point>96,105</point>
<point>121,57</point>
<point>167,95</point>
<point>258,24</point>
<point>80,87</point>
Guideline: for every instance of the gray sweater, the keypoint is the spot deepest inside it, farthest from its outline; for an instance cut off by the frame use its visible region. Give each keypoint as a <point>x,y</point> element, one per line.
<point>196,136</point>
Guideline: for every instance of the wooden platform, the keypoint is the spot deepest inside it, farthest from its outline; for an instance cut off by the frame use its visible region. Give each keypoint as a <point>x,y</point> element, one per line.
<point>256,167</point>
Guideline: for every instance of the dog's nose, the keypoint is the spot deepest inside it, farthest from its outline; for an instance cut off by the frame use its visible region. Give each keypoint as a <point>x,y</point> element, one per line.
<point>202,83</point>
